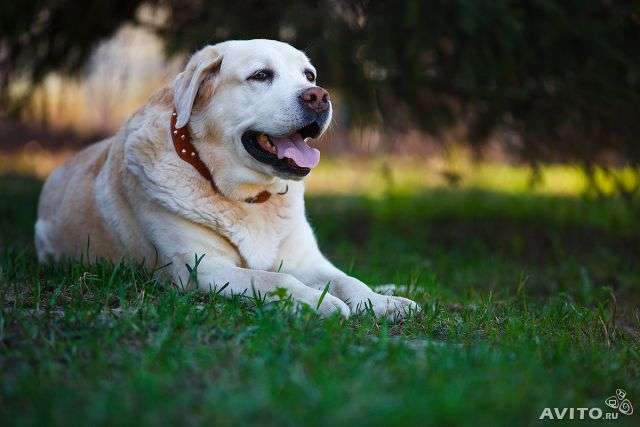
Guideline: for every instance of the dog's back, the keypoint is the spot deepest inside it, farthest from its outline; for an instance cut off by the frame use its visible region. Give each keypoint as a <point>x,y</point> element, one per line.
<point>69,223</point>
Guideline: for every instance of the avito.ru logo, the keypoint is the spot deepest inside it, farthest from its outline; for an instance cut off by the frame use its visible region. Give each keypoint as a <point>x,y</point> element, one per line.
<point>618,401</point>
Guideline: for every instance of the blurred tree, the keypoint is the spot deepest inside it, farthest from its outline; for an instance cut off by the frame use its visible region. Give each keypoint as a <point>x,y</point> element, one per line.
<point>561,78</point>
<point>37,36</point>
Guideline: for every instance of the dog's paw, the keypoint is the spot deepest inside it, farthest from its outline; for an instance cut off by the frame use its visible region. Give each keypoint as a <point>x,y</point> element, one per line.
<point>396,308</point>
<point>330,305</point>
<point>325,305</point>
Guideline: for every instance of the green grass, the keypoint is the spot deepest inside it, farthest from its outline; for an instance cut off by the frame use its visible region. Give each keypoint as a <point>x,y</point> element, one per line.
<point>529,300</point>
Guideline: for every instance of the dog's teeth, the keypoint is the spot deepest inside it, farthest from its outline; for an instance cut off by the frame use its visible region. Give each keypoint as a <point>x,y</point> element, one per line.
<point>265,142</point>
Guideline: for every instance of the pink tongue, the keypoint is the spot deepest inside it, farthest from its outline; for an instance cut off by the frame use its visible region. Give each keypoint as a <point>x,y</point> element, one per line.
<point>293,147</point>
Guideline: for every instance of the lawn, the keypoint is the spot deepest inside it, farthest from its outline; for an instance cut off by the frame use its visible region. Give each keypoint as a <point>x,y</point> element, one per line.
<point>529,296</point>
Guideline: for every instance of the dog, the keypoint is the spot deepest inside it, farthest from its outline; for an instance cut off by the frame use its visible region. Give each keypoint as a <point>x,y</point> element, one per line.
<point>210,172</point>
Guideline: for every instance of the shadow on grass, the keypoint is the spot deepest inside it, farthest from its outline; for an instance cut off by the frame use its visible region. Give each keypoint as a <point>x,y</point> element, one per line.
<point>478,239</point>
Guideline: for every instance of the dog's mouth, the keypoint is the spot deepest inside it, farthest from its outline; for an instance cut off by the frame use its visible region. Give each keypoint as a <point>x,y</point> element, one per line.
<point>289,154</point>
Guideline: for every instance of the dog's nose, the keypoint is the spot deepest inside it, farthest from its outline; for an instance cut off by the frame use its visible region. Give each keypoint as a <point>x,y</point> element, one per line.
<point>316,99</point>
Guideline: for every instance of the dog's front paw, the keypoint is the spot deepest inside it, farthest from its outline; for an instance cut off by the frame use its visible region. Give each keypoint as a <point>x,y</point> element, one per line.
<point>383,305</point>
<point>326,305</point>
<point>330,304</point>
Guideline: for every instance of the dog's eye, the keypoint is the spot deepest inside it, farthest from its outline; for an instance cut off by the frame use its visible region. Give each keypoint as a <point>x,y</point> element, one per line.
<point>261,75</point>
<point>310,76</point>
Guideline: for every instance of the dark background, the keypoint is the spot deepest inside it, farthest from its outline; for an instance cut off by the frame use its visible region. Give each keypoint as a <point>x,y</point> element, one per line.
<point>551,80</point>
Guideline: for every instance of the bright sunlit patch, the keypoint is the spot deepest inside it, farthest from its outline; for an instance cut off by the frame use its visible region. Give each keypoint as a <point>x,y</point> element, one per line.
<point>377,176</point>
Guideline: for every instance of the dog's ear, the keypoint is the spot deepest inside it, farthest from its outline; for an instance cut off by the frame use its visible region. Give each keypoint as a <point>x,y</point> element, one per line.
<point>185,87</point>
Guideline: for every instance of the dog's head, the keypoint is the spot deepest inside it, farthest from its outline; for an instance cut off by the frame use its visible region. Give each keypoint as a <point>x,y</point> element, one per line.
<point>258,100</point>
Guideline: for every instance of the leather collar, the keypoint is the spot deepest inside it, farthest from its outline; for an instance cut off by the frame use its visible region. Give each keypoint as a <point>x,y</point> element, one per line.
<point>187,152</point>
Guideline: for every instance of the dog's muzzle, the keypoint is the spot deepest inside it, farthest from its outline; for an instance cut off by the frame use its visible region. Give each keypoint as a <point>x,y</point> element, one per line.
<point>290,155</point>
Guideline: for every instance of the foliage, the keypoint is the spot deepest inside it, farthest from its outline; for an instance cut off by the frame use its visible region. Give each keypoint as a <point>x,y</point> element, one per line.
<point>557,80</point>
<point>37,37</point>
<point>560,76</point>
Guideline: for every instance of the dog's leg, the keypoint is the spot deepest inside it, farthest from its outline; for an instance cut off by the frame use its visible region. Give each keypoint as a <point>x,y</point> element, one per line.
<point>181,243</point>
<point>302,258</point>
<point>358,296</point>
<point>236,280</point>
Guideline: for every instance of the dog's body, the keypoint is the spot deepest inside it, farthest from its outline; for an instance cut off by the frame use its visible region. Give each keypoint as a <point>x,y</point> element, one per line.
<point>131,196</point>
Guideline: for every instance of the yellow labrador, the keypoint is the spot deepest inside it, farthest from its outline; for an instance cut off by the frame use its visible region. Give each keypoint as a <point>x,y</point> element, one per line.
<point>211,166</point>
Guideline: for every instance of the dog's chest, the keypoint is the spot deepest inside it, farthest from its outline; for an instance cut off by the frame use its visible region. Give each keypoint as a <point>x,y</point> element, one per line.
<point>259,236</point>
